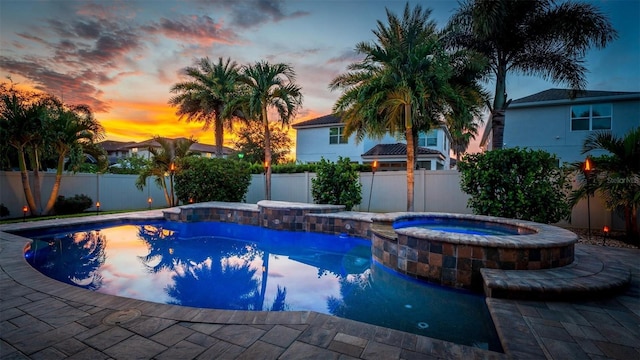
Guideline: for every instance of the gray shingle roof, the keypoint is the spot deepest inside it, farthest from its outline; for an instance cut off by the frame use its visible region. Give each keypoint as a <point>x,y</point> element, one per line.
<point>397,149</point>
<point>565,94</point>
<point>323,120</point>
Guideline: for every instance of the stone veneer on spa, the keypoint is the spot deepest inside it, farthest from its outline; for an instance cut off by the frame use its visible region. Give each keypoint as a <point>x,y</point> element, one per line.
<point>455,259</point>
<point>450,259</point>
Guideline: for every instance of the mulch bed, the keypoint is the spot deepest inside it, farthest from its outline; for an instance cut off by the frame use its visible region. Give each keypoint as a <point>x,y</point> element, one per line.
<point>614,238</point>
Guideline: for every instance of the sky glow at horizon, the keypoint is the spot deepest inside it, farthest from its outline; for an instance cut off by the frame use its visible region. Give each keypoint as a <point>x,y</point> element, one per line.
<point>122,57</point>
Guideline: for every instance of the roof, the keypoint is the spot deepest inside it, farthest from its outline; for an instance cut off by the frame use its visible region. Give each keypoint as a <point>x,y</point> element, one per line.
<point>320,121</point>
<point>563,95</point>
<point>199,147</point>
<point>112,145</point>
<point>397,149</point>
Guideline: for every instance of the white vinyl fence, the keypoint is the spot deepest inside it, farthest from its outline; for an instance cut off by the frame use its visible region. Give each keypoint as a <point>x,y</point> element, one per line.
<point>384,191</point>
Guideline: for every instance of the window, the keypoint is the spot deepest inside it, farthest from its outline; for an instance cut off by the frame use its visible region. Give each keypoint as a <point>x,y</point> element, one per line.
<point>336,135</point>
<point>591,117</point>
<point>428,139</point>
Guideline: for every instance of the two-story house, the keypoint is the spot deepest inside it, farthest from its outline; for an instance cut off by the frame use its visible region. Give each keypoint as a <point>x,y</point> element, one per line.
<point>555,121</point>
<point>323,138</point>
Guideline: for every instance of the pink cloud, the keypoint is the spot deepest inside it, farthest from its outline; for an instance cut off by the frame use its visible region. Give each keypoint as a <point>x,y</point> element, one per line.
<point>194,28</point>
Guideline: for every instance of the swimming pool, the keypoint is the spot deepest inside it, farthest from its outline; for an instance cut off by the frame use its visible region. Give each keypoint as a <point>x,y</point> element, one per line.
<point>231,266</point>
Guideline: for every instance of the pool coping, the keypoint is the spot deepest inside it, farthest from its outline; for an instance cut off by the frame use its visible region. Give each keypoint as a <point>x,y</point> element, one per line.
<point>14,265</point>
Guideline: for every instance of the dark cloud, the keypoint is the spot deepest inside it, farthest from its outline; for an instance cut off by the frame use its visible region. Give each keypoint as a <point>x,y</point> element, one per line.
<point>198,29</point>
<point>347,56</point>
<point>252,13</point>
<point>72,88</point>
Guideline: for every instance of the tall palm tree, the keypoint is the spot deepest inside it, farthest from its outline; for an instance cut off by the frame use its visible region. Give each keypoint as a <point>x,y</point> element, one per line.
<point>165,160</point>
<point>73,132</point>
<point>616,175</point>
<point>206,97</point>
<point>533,37</point>
<point>269,86</point>
<point>403,85</point>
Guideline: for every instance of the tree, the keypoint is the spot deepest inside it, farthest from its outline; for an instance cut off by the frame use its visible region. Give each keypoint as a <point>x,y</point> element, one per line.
<point>269,86</point>
<point>206,98</point>
<point>516,183</point>
<point>73,132</point>
<point>337,183</point>
<point>535,37</point>
<point>165,161</point>
<point>203,179</point>
<point>22,125</point>
<point>403,85</point>
<point>250,142</point>
<point>462,121</point>
<point>616,175</point>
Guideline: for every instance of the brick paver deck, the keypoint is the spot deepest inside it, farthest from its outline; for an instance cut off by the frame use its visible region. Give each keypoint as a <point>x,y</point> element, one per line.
<point>41,318</point>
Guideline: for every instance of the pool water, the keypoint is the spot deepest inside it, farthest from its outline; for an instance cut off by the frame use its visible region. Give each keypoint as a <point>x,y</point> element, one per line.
<point>461,226</point>
<point>239,267</point>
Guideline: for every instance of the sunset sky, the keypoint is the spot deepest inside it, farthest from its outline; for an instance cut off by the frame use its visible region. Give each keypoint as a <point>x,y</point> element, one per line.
<point>122,57</point>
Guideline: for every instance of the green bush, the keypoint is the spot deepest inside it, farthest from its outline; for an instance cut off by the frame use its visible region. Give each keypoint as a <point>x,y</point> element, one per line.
<point>337,183</point>
<point>203,179</point>
<point>516,183</point>
<point>4,211</point>
<point>72,205</point>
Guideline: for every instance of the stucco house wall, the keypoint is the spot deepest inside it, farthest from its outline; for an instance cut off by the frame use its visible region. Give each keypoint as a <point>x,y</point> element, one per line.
<point>546,124</point>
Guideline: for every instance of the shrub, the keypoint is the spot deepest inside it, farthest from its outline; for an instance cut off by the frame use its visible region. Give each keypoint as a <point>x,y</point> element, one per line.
<point>4,211</point>
<point>516,183</point>
<point>203,179</point>
<point>337,183</point>
<point>72,205</point>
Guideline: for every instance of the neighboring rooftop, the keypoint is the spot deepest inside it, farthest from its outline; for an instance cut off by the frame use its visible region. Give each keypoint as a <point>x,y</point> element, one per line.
<point>320,121</point>
<point>552,95</point>
<point>397,149</point>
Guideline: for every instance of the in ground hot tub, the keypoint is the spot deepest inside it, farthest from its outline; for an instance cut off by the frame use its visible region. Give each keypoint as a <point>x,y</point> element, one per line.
<point>450,249</point>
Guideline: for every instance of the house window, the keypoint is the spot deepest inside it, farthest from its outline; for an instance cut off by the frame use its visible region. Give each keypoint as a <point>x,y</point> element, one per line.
<point>428,139</point>
<point>134,150</point>
<point>336,135</point>
<point>591,117</point>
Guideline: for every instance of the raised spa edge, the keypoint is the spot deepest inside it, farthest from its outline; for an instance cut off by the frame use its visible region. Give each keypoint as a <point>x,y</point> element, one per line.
<point>450,259</point>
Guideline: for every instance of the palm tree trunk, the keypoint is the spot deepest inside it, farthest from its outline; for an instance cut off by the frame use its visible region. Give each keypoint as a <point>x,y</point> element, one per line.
<point>219,135</point>
<point>24,175</point>
<point>166,193</point>
<point>37,191</point>
<point>267,154</point>
<point>56,184</point>
<point>411,161</point>
<point>499,108</point>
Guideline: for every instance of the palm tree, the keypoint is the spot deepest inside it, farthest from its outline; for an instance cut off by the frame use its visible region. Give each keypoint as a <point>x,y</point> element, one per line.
<point>207,96</point>
<point>73,132</point>
<point>534,37</point>
<point>22,118</point>
<point>616,175</point>
<point>165,160</point>
<point>403,85</point>
<point>465,117</point>
<point>269,86</point>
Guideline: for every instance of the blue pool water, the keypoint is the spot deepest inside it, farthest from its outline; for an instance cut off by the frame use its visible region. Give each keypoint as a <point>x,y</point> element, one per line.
<point>461,226</point>
<point>229,266</point>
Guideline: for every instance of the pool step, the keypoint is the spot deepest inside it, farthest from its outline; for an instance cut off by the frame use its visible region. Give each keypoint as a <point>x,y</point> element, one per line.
<point>588,274</point>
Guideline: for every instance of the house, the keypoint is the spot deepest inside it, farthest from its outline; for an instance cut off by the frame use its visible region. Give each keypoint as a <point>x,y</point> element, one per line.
<point>555,121</point>
<point>118,149</point>
<point>115,149</point>
<point>323,138</point>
